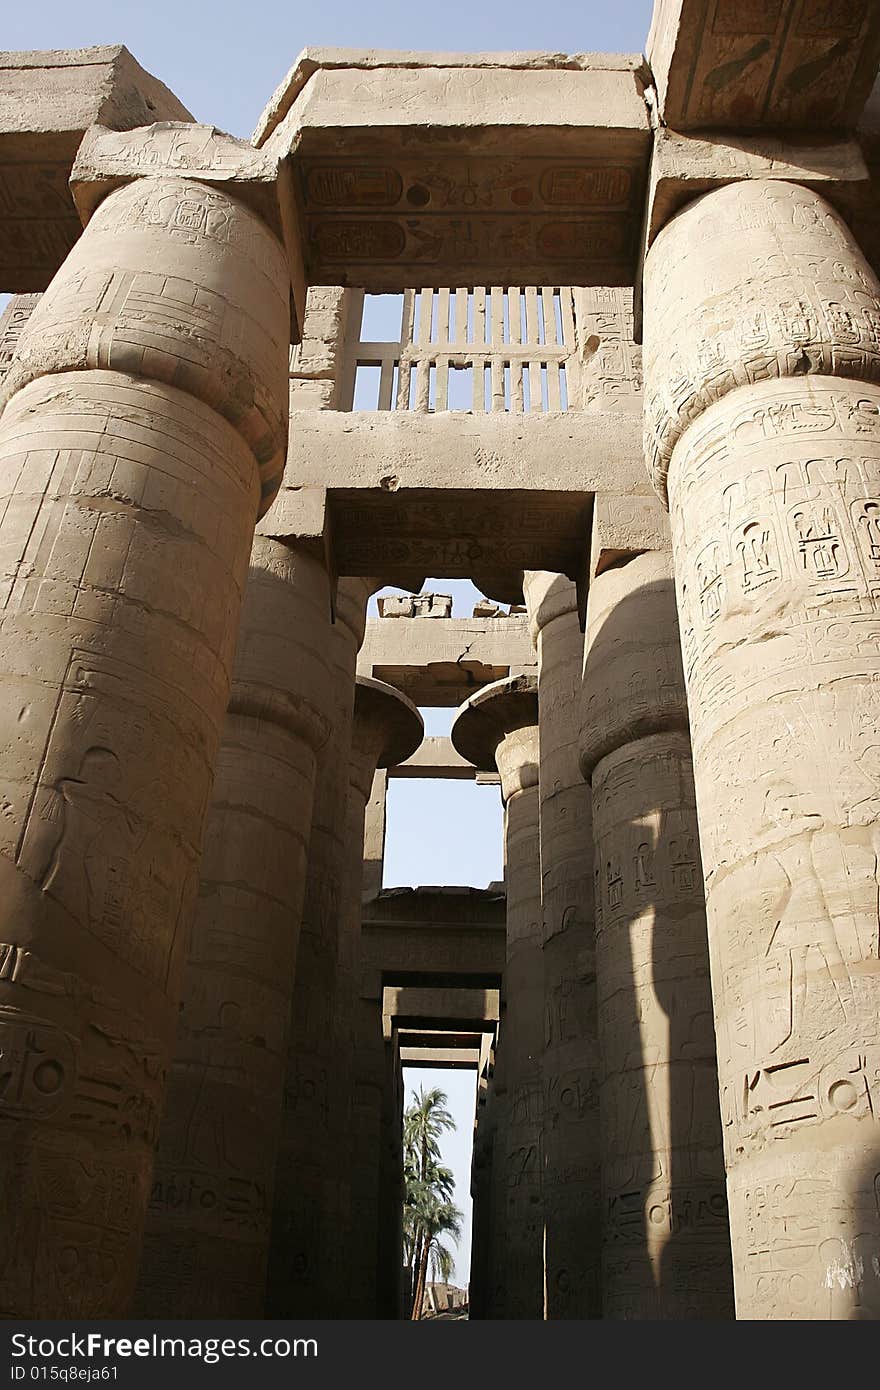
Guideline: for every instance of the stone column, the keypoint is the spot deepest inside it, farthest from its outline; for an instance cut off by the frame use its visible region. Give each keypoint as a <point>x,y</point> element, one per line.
<point>207,1232</point>
<point>392,1189</point>
<point>572,1201</point>
<point>481,1186</point>
<point>373,856</point>
<point>762,348</point>
<point>387,730</point>
<point>497,728</point>
<point>147,398</point>
<point>307,1213</point>
<point>666,1250</point>
<point>497,1267</point>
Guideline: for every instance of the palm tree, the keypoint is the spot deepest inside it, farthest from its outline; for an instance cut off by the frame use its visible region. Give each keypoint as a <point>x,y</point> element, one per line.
<point>436,1218</point>
<point>428,1209</point>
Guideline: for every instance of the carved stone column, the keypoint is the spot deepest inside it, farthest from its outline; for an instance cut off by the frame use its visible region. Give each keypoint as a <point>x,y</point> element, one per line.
<point>144,409</point>
<point>308,1207</point>
<point>666,1249</point>
<point>387,730</point>
<point>497,728</point>
<point>572,1201</point>
<point>763,422</point>
<point>207,1233</point>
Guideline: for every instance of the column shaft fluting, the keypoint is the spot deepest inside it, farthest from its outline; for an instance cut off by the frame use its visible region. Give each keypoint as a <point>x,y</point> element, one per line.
<point>131,485</point>
<point>666,1250</point>
<point>763,421</point>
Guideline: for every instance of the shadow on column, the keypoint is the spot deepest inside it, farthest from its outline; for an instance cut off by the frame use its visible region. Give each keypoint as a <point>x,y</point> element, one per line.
<point>853,1271</point>
<point>666,1249</point>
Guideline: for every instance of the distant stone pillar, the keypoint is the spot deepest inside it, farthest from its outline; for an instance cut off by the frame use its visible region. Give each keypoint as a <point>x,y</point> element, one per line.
<point>207,1233</point>
<point>571,1179</point>
<point>762,350</point>
<point>145,407</point>
<point>666,1251</point>
<point>373,855</point>
<point>392,1189</point>
<point>498,728</point>
<point>308,1204</point>
<point>497,1267</point>
<point>481,1190</point>
<point>387,730</point>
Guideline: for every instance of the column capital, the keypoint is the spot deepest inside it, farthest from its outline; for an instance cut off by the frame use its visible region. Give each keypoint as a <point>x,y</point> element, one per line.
<point>387,730</point>
<point>633,678</point>
<point>109,159</point>
<point>548,596</point>
<point>497,729</point>
<point>758,280</point>
<point>178,283</point>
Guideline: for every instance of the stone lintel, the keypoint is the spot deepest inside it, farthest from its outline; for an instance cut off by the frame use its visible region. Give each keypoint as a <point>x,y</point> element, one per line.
<point>426,934</point>
<point>456,174</point>
<point>387,450</point>
<point>389,710</point>
<point>442,663</point>
<point>312,59</point>
<point>435,757</point>
<point>456,1058</point>
<point>47,102</point>
<point>438,1006</point>
<point>763,63</point>
<point>107,159</point>
<point>480,496</point>
<point>492,713</point>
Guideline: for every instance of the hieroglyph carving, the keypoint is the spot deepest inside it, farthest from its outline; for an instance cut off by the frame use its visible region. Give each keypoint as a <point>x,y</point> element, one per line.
<point>785,481</point>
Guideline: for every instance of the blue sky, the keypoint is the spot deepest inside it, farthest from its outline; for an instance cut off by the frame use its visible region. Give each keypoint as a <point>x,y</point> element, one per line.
<point>224,61</point>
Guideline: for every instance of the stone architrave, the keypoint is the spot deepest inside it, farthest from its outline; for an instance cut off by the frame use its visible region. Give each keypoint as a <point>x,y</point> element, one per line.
<point>497,728</point>
<point>147,396</point>
<point>310,1199</point>
<point>571,1177</point>
<point>762,361</point>
<point>666,1251</point>
<point>387,729</point>
<point>207,1233</point>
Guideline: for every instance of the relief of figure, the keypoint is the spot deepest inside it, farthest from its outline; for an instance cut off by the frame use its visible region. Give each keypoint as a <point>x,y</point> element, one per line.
<point>803,921</point>
<point>90,865</point>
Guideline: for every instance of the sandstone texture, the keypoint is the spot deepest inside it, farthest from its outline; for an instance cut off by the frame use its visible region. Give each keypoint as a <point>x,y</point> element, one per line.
<point>632,395</point>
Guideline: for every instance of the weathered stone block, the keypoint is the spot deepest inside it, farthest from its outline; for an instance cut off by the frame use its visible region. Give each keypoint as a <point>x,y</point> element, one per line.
<point>47,102</point>
<point>417,168</point>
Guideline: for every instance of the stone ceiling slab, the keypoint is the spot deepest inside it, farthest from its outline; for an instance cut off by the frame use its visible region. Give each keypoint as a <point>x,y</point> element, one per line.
<point>771,63</point>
